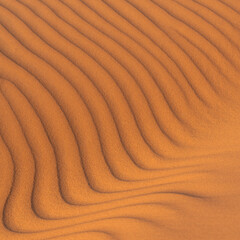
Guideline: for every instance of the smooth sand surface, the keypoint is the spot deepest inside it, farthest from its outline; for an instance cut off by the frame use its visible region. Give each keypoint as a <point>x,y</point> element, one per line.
<point>120,119</point>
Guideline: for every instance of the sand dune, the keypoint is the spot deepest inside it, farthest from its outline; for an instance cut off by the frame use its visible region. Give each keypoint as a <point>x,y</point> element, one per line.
<point>119,119</point>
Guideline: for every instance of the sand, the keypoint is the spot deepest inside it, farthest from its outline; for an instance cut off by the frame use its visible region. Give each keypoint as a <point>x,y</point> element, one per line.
<point>119,119</point>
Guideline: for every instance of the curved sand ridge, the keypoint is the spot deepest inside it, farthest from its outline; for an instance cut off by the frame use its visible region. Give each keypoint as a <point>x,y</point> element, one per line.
<point>119,119</point>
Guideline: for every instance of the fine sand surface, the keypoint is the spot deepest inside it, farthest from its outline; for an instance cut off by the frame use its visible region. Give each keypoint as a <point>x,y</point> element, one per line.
<point>120,119</point>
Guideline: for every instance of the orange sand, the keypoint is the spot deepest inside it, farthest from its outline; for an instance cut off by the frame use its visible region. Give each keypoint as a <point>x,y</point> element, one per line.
<point>120,119</point>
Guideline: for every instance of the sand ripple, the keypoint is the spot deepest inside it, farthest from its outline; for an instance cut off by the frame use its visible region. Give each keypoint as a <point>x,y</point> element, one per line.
<point>119,119</point>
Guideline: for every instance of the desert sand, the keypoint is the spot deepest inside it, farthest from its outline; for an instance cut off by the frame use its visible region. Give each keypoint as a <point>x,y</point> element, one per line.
<point>120,119</point>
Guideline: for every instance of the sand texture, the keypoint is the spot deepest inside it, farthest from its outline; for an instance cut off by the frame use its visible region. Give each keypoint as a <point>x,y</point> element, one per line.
<point>120,119</point>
